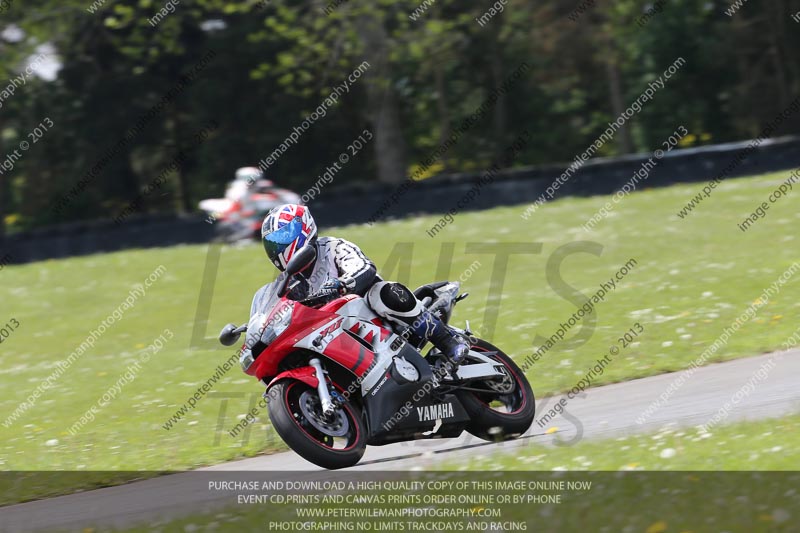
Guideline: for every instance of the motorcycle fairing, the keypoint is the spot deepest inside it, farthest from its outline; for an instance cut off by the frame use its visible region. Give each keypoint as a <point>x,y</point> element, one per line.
<point>392,405</point>
<point>305,374</point>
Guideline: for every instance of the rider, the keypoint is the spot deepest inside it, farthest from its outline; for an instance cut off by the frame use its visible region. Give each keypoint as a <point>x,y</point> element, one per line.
<point>340,268</point>
<point>240,188</point>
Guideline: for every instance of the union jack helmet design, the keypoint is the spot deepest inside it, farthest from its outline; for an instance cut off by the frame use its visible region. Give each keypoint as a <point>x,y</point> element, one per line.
<point>285,230</point>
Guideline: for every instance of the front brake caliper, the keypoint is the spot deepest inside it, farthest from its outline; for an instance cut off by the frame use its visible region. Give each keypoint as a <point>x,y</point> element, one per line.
<point>337,398</point>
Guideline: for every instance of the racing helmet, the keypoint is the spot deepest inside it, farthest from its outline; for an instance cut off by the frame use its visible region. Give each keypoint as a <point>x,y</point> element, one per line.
<point>249,174</point>
<point>286,229</point>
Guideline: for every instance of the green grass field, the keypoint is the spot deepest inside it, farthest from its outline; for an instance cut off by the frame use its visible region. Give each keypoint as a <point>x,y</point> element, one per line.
<point>692,279</point>
<point>770,445</point>
<point>674,498</point>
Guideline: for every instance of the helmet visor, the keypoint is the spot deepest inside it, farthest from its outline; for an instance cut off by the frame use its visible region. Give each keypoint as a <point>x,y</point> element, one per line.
<point>279,240</point>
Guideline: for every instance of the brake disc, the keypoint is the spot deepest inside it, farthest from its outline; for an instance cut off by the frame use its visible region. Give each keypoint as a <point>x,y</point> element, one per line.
<point>502,385</point>
<point>335,425</point>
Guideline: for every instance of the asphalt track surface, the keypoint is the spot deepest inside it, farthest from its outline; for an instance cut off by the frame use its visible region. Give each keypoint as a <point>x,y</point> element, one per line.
<point>601,412</point>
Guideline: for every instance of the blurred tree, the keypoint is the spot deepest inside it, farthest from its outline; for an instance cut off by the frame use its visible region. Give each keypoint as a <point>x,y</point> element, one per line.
<point>273,62</point>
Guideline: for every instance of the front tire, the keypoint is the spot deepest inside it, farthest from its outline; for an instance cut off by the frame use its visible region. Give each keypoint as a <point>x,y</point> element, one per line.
<point>332,443</point>
<point>507,409</point>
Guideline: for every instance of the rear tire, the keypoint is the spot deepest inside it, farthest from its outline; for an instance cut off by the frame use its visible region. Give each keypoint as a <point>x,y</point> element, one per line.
<point>493,425</point>
<point>306,437</point>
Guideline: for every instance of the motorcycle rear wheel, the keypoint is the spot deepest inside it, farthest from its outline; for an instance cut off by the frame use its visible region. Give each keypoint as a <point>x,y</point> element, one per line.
<point>507,409</point>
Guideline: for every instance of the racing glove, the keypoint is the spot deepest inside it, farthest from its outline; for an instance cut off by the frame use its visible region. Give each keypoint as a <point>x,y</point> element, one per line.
<point>333,286</point>
<point>329,291</point>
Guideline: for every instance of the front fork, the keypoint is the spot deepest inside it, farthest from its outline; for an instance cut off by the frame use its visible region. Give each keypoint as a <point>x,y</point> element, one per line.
<point>322,388</point>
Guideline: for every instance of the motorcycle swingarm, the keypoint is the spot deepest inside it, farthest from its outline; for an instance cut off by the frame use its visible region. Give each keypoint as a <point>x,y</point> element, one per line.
<point>487,368</point>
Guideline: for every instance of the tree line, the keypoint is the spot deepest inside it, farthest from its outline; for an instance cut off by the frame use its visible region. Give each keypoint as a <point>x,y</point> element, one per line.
<point>126,97</point>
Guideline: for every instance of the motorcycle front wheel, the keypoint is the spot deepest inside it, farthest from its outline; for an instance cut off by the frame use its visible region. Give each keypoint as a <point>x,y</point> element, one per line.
<point>335,441</point>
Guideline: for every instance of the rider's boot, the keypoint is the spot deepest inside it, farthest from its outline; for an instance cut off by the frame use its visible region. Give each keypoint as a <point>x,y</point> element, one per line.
<point>427,326</point>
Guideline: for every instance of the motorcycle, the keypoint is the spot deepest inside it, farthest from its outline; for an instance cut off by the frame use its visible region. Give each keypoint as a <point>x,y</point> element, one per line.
<point>239,215</point>
<point>340,378</point>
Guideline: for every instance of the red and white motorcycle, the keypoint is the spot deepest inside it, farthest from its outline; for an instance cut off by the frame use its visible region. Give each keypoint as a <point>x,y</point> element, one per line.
<point>339,377</point>
<point>239,215</point>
